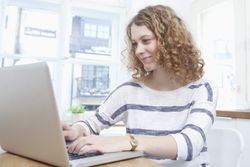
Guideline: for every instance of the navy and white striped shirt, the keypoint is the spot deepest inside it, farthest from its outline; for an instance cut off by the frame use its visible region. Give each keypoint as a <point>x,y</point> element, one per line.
<point>186,113</point>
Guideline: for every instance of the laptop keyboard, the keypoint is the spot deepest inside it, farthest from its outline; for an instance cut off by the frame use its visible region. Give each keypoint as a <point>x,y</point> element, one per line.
<point>76,156</point>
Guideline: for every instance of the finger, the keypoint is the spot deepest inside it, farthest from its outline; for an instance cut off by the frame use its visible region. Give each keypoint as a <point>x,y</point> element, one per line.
<point>76,146</point>
<point>87,149</point>
<point>65,126</point>
<point>67,135</point>
<point>82,150</point>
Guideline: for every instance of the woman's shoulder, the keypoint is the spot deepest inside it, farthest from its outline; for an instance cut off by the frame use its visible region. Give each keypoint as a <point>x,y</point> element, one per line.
<point>204,85</point>
<point>131,82</point>
<point>127,85</point>
<point>200,82</point>
<point>124,88</point>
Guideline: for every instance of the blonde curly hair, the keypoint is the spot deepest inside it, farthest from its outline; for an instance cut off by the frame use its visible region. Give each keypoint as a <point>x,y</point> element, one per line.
<point>176,51</point>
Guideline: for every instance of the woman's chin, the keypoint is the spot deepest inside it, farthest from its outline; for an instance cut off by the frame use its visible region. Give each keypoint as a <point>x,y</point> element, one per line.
<point>148,68</point>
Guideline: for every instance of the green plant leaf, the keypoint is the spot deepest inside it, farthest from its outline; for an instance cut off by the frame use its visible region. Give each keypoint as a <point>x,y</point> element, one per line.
<point>77,109</point>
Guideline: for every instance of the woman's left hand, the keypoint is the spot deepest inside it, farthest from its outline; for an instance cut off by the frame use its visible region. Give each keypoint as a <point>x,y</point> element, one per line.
<point>94,143</point>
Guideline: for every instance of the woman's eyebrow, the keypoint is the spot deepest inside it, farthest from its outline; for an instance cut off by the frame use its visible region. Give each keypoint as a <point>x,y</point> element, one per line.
<point>144,36</point>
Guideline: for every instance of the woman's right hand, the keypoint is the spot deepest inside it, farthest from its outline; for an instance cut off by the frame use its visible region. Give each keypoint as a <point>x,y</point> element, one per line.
<point>72,132</point>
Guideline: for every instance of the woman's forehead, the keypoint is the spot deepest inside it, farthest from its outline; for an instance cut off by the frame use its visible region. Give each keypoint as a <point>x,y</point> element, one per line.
<point>140,31</point>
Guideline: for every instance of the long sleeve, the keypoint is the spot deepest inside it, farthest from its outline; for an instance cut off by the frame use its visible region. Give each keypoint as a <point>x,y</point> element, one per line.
<point>191,141</point>
<point>112,110</point>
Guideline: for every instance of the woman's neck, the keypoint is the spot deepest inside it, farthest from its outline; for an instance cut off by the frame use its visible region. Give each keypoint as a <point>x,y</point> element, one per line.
<point>162,80</point>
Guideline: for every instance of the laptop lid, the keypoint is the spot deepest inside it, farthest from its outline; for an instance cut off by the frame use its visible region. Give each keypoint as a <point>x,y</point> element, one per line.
<point>29,121</point>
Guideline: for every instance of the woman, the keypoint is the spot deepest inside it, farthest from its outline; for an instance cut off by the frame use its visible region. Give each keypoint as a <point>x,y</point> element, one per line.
<point>167,107</point>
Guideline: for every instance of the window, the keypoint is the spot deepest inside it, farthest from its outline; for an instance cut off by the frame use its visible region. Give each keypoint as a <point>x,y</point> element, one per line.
<point>91,83</point>
<point>90,35</point>
<point>221,35</point>
<point>103,32</point>
<point>29,35</point>
<point>89,30</point>
<point>30,32</point>
<point>218,48</point>
<point>91,45</point>
<point>91,80</point>
<point>78,40</point>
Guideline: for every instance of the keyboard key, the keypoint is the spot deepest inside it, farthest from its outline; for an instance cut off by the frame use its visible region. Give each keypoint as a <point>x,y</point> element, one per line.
<point>76,156</point>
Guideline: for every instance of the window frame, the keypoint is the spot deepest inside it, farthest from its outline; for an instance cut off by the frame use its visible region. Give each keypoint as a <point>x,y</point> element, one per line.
<point>63,60</point>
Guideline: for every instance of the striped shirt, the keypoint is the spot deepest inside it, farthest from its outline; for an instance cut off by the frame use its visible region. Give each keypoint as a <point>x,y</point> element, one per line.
<point>186,113</point>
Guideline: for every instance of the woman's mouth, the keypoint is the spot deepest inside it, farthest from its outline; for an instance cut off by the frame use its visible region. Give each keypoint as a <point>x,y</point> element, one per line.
<point>146,60</point>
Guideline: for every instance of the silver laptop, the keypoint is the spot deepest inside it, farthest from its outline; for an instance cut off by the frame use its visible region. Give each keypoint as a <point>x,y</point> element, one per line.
<point>29,120</point>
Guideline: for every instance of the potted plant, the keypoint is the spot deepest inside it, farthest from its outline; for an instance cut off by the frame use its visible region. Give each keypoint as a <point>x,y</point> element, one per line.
<point>77,111</point>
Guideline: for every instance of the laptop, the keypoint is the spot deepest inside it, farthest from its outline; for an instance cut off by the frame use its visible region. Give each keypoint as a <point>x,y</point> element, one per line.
<point>30,123</point>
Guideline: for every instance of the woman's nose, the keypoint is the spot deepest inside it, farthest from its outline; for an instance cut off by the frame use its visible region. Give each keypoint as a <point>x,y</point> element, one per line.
<point>139,49</point>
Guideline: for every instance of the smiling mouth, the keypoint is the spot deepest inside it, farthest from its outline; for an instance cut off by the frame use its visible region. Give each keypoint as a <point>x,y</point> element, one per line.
<point>146,60</point>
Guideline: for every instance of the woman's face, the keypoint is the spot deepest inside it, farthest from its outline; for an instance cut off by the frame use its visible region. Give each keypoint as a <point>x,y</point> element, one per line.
<point>144,44</point>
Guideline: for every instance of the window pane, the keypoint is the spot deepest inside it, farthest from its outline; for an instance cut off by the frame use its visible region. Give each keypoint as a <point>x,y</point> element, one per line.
<point>30,32</point>
<point>103,32</point>
<point>89,30</point>
<point>90,84</point>
<point>90,35</point>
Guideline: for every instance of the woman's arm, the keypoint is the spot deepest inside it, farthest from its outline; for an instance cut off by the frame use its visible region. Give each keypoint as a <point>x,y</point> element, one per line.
<point>103,117</point>
<point>161,146</point>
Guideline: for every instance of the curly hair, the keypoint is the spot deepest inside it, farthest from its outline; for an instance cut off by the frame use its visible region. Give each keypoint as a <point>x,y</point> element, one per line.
<point>176,51</point>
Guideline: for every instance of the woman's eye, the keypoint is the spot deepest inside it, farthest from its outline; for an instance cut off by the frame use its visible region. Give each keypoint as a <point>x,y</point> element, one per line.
<point>134,44</point>
<point>146,41</point>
